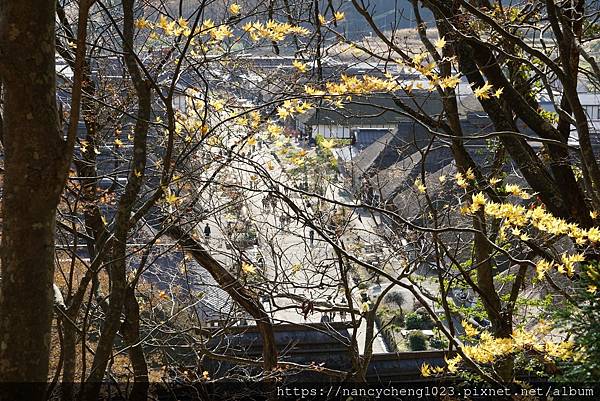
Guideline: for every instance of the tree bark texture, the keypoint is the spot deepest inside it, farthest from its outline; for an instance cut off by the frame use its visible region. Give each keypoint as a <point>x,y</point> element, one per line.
<point>35,160</point>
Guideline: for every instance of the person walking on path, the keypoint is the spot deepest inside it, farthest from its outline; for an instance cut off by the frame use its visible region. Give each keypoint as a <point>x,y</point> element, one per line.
<point>207,232</point>
<point>311,236</point>
<point>343,312</point>
<point>331,313</point>
<point>283,220</point>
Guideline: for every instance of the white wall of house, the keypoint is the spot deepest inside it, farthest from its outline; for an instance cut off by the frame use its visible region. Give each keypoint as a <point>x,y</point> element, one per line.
<point>340,131</point>
<point>179,102</point>
<point>590,101</point>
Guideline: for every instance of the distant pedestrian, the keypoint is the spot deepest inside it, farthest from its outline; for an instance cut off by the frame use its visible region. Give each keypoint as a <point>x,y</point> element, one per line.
<point>265,203</point>
<point>311,236</point>
<point>273,203</point>
<point>343,312</point>
<point>331,313</point>
<point>207,232</point>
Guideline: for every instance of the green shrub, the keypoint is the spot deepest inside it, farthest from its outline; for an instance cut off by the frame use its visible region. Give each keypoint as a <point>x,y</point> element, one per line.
<point>438,343</point>
<point>413,321</point>
<point>395,298</point>
<point>427,322</point>
<point>417,341</point>
<point>419,320</point>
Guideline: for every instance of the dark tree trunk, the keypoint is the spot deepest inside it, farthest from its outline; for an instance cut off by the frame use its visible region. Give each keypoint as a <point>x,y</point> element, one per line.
<point>35,160</point>
<point>242,295</point>
<point>131,334</point>
<point>118,265</point>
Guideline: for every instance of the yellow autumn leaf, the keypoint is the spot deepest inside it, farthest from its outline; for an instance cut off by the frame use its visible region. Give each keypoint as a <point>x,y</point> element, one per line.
<point>440,43</point>
<point>299,65</point>
<point>470,330</point>
<point>327,143</point>
<point>234,8</point>
<point>420,186</point>
<point>483,92</point>
<point>478,201</point>
<point>452,363</point>
<point>283,113</point>
<point>248,268</point>
<point>274,130</point>
<point>217,104</point>
<point>248,27</point>
<point>303,107</point>
<point>142,23</point>
<point>182,22</point>
<point>542,267</point>
<point>171,198</point>
<point>469,174</point>
<point>163,22</point>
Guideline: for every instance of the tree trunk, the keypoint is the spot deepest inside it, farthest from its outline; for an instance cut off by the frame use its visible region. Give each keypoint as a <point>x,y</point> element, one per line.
<point>131,334</point>
<point>236,290</point>
<point>118,265</point>
<point>501,319</point>
<point>36,160</point>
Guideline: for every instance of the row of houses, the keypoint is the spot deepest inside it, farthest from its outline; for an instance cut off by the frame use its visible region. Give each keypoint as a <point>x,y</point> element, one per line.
<point>388,149</point>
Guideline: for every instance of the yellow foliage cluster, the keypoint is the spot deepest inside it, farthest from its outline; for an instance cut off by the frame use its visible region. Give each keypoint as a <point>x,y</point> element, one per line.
<point>462,180</point>
<point>470,330</point>
<point>516,218</point>
<point>420,186</point>
<point>299,65</point>
<point>169,28</point>
<point>274,130</point>
<point>291,107</point>
<point>185,123</point>
<point>272,30</point>
<point>361,85</point>
<point>490,349</point>
<point>248,268</point>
